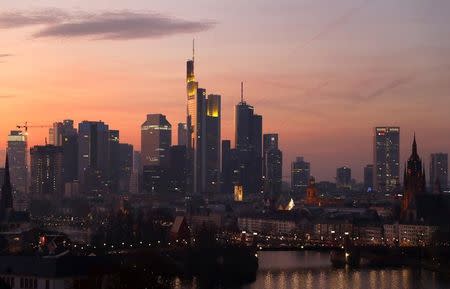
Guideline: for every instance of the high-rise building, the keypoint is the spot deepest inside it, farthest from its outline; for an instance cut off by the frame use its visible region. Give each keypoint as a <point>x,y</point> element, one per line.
<point>213,143</point>
<point>93,157</point>
<point>272,164</point>
<point>47,171</point>
<point>386,159</point>
<point>439,170</point>
<point>125,167</point>
<point>177,168</point>
<point>6,197</point>
<point>414,184</point>
<point>18,160</point>
<point>69,143</point>
<point>182,134</point>
<point>156,139</point>
<point>300,175</point>
<point>344,178</point>
<point>114,168</point>
<point>248,143</point>
<point>227,168</point>
<point>368,178</point>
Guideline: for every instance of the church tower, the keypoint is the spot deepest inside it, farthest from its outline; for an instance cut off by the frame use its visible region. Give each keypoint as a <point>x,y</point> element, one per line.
<point>6,201</point>
<point>414,184</point>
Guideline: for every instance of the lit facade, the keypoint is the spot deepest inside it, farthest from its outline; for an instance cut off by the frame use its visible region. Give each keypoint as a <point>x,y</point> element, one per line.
<point>300,174</point>
<point>18,160</point>
<point>213,143</point>
<point>47,171</point>
<point>386,159</point>
<point>156,139</point>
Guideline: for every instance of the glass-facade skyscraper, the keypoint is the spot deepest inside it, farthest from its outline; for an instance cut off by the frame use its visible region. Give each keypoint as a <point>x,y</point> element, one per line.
<point>386,159</point>
<point>156,139</point>
<point>18,160</point>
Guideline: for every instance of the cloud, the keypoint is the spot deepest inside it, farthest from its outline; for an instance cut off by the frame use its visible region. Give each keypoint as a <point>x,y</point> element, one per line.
<point>3,55</point>
<point>6,96</point>
<point>106,25</point>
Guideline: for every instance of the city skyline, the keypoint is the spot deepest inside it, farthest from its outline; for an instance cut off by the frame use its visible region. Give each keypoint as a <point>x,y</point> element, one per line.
<point>57,80</point>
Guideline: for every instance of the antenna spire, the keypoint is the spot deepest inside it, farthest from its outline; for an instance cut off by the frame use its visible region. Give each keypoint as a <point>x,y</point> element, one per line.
<point>242,91</point>
<point>193,49</point>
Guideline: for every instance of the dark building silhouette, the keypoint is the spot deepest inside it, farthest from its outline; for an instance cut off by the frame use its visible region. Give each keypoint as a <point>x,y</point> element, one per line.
<point>114,168</point>
<point>344,178</point>
<point>227,168</point>
<point>272,164</point>
<point>414,184</point>
<point>156,139</point>
<point>69,143</point>
<point>368,178</point>
<point>93,157</point>
<point>386,159</point>
<point>155,179</point>
<point>439,170</point>
<point>213,143</point>
<point>47,171</point>
<point>182,134</point>
<point>177,168</point>
<point>248,144</point>
<point>18,160</point>
<point>6,202</point>
<point>300,175</point>
<point>125,167</point>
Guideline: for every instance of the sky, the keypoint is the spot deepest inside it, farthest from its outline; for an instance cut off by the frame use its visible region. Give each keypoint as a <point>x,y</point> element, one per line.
<point>321,73</point>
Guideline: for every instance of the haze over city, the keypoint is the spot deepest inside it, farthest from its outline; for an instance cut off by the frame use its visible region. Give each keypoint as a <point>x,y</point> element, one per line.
<point>321,73</point>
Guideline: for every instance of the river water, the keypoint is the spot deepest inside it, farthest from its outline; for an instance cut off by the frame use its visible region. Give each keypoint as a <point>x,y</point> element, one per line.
<point>313,270</point>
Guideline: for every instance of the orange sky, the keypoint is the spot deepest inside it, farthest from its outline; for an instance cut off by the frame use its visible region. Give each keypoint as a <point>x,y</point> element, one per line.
<point>322,74</point>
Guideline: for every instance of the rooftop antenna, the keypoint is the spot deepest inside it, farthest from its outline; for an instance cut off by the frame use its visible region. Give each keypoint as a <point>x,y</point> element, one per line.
<point>242,91</point>
<point>193,49</point>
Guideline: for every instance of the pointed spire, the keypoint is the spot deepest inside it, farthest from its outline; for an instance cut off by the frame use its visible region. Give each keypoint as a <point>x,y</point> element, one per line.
<point>414,146</point>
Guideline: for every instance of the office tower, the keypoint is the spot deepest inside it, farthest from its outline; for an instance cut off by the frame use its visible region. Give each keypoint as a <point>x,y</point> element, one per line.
<point>6,201</point>
<point>368,178</point>
<point>156,139</point>
<point>213,144</point>
<point>136,176</point>
<point>69,143</point>
<point>114,168</point>
<point>18,161</point>
<point>182,134</point>
<point>272,164</point>
<point>227,168</point>
<point>300,175</point>
<point>125,166</point>
<point>248,143</point>
<point>177,168</point>
<point>414,184</point>
<point>344,178</point>
<point>55,134</point>
<point>93,157</point>
<point>386,159</point>
<point>439,170</point>
<point>47,171</point>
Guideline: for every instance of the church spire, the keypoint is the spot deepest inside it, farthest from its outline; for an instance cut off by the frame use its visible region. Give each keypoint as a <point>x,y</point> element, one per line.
<point>414,146</point>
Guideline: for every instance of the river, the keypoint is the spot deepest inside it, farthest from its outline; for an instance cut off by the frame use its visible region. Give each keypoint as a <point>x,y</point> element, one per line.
<point>313,270</point>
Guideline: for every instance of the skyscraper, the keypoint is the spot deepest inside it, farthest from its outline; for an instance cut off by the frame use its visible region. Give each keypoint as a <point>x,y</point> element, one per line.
<point>47,171</point>
<point>125,167</point>
<point>177,169</point>
<point>300,174</point>
<point>344,178</point>
<point>227,168</point>
<point>18,160</point>
<point>6,198</point>
<point>248,143</point>
<point>439,169</point>
<point>213,143</point>
<point>156,139</point>
<point>386,159</point>
<point>69,143</point>
<point>182,134</point>
<point>114,168</point>
<point>93,156</point>
<point>272,164</point>
<point>368,178</point>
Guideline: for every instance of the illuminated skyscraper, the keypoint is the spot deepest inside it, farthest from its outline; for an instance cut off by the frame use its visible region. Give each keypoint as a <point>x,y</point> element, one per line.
<point>248,143</point>
<point>439,170</point>
<point>47,171</point>
<point>213,143</point>
<point>18,160</point>
<point>300,174</point>
<point>156,139</point>
<point>386,159</point>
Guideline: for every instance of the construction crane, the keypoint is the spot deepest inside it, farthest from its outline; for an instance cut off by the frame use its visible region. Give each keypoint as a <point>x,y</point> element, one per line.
<point>26,126</point>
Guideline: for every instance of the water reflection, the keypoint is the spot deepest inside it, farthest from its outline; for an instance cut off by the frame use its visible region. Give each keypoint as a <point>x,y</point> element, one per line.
<point>312,270</point>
